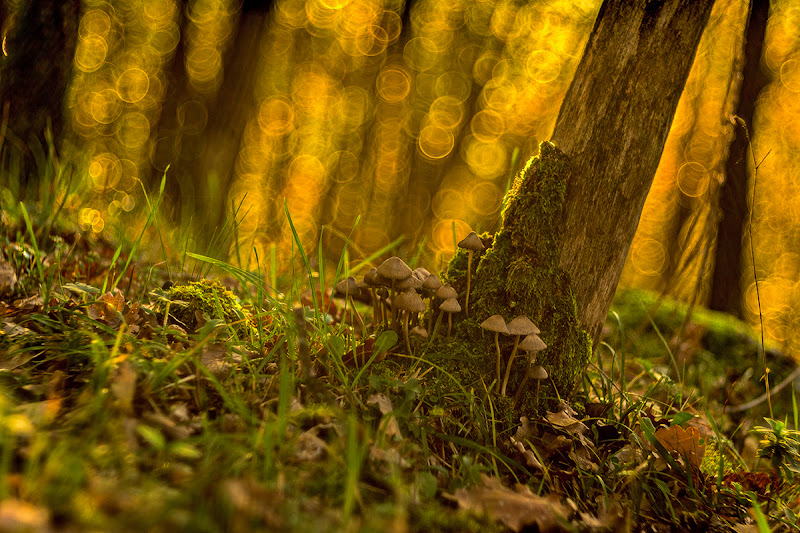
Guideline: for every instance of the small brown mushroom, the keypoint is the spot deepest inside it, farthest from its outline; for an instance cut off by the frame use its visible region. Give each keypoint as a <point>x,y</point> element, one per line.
<point>519,327</point>
<point>419,331</point>
<point>471,243</point>
<point>449,306</point>
<point>538,373</point>
<point>531,345</point>
<point>497,324</point>
<point>410,302</point>
<point>395,270</point>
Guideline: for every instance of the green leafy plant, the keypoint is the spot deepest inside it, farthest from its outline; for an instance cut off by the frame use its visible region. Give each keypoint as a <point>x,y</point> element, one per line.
<point>781,446</point>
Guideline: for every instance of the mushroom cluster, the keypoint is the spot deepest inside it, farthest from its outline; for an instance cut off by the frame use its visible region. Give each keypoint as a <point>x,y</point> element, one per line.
<point>526,338</point>
<point>397,293</point>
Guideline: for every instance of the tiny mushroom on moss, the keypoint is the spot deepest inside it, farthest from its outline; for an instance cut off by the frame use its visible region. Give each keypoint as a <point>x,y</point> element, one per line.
<point>449,306</point>
<point>471,243</point>
<point>538,373</point>
<point>393,269</point>
<point>496,324</point>
<point>531,345</point>
<point>410,302</point>
<point>519,327</point>
<point>419,331</point>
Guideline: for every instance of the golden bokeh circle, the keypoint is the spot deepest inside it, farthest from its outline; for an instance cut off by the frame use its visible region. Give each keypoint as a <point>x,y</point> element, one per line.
<point>648,257</point>
<point>692,179</point>
<point>132,85</point>
<point>436,142</point>
<point>393,84</point>
<point>91,53</point>
<point>543,66</point>
<point>276,116</point>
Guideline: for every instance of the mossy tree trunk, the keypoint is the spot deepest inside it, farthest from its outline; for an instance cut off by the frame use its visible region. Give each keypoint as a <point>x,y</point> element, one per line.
<point>573,211</point>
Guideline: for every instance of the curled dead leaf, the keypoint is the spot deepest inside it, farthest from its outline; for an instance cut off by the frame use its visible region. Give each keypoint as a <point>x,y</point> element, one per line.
<point>516,509</point>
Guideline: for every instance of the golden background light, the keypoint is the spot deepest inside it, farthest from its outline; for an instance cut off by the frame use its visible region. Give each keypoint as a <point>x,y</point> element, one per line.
<point>415,122</point>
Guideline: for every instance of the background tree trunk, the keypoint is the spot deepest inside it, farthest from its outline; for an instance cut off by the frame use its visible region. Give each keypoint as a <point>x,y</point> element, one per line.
<point>613,124</point>
<point>726,293</point>
<point>40,43</point>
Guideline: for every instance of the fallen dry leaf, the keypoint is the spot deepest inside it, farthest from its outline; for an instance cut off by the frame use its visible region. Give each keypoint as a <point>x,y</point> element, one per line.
<point>684,443</point>
<point>516,509</point>
<point>388,421</point>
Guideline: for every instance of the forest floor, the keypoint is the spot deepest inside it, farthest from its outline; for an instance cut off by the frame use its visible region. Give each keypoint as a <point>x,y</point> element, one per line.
<point>130,404</point>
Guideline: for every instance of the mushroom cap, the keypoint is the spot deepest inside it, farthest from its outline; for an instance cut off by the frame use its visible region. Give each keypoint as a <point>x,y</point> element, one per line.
<point>432,283</point>
<point>394,268</point>
<point>422,273</point>
<point>532,343</point>
<point>369,278</point>
<point>522,325</point>
<point>446,291</point>
<point>495,323</point>
<point>538,372</point>
<point>450,305</point>
<point>411,282</point>
<point>419,331</point>
<point>410,301</point>
<point>472,242</point>
<point>348,286</point>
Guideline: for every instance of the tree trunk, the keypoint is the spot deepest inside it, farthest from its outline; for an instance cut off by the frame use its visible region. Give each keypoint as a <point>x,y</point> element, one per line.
<point>40,44</point>
<point>613,125</point>
<point>573,210</point>
<point>726,294</point>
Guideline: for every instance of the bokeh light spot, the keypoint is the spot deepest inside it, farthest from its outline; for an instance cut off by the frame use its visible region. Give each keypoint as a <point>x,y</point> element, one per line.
<point>393,85</point>
<point>484,198</point>
<point>91,53</point>
<point>132,85</point>
<point>436,142</point>
<point>343,166</point>
<point>790,75</point>
<point>692,179</point>
<point>543,66</point>
<point>444,231</point>
<point>488,125</point>
<point>648,257</point>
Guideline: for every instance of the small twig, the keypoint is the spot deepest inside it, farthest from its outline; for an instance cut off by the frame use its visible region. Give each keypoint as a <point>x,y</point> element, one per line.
<point>738,120</point>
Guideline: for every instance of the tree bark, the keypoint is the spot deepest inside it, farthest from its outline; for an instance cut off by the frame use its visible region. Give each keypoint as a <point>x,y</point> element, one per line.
<point>613,125</point>
<point>40,44</point>
<point>726,294</point>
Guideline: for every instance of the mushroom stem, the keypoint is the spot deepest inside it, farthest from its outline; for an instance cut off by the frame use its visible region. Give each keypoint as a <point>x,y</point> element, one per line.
<point>508,368</point>
<point>522,386</point>
<point>436,324</point>
<point>449,324</point>
<point>469,276</point>
<point>405,331</point>
<point>499,357</point>
<point>377,314</point>
<point>394,311</point>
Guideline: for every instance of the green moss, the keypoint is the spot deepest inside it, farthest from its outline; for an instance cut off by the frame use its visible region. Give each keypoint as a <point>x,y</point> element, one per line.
<point>519,274</point>
<point>210,299</point>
